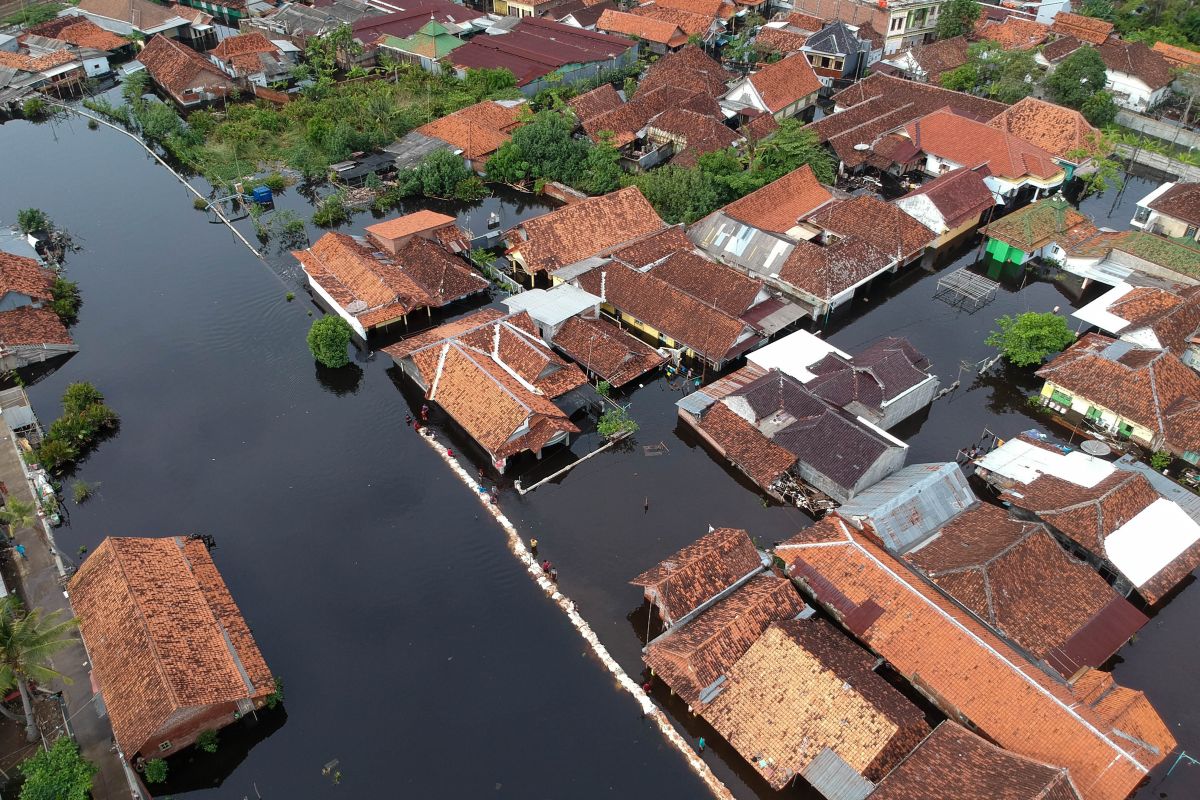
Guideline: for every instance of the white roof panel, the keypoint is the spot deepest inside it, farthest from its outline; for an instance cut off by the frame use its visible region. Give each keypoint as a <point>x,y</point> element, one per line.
<point>555,306</point>
<point>1023,462</point>
<point>1097,313</point>
<point>1142,547</point>
<point>794,354</point>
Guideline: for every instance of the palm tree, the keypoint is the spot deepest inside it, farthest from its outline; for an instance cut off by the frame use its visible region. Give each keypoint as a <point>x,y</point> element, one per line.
<point>18,514</point>
<point>27,640</point>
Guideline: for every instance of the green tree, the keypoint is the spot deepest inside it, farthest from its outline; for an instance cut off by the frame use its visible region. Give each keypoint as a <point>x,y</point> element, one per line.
<point>59,773</point>
<point>1100,109</point>
<point>328,339</point>
<point>543,149</point>
<point>442,174</point>
<point>331,212</point>
<point>493,84</point>
<point>992,71</point>
<point>18,515</point>
<point>1077,78</point>
<point>1026,340</point>
<point>962,79</point>
<point>791,147</point>
<point>34,14</point>
<point>680,194</point>
<point>33,220</point>
<point>1100,9</point>
<point>80,396</point>
<point>957,18</point>
<point>601,169</point>
<point>27,641</point>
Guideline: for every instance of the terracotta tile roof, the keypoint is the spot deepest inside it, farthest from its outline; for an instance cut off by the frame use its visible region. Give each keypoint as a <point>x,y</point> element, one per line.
<point>1138,384</point>
<point>957,662</point>
<point>688,68</point>
<point>25,276</point>
<point>882,225</point>
<point>691,24</point>
<point>606,350</point>
<point>959,195</point>
<point>626,121</point>
<point>477,130</point>
<point>804,689</point>
<point>1088,29</point>
<point>163,633</point>
<point>1061,48</point>
<point>1179,57</point>
<point>27,325</point>
<point>29,63</point>
<point>378,288</point>
<point>1036,225</point>
<point>881,104</point>
<point>492,374</point>
<point>1014,576</point>
<point>653,247</point>
<point>1138,60</point>
<point>1181,201</point>
<point>941,56</point>
<point>1053,128</point>
<point>695,655</point>
<point>701,133</point>
<point>781,204</point>
<point>178,68</point>
<point>826,272</point>
<point>82,32</point>
<point>652,30</point>
<point>1014,33</point>
<point>743,444</point>
<point>143,13</point>
<point>955,764</point>
<point>408,224</point>
<point>702,328</point>
<point>785,82</point>
<point>591,104</point>
<point>684,581</point>
<point>242,44</point>
<point>970,143</point>
<point>582,229</point>
<point>780,40</point>
<point>1125,709</point>
<point>822,437</point>
<point>874,377</point>
<point>715,284</point>
<point>714,9</point>
<point>1173,318</point>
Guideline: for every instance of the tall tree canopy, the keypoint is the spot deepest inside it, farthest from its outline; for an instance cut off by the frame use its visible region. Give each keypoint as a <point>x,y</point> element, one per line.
<point>957,18</point>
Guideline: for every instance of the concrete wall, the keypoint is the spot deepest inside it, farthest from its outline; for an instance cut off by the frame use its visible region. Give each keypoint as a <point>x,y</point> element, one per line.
<point>1107,419</point>
<point>185,725</point>
<point>1160,129</point>
<point>909,403</point>
<point>1161,163</point>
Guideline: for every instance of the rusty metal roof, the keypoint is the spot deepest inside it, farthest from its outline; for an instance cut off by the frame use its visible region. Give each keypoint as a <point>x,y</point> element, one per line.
<point>905,508</point>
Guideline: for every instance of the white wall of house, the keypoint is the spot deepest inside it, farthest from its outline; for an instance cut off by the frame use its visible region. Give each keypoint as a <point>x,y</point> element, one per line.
<point>923,210</point>
<point>96,65</point>
<point>1130,92</point>
<point>352,320</point>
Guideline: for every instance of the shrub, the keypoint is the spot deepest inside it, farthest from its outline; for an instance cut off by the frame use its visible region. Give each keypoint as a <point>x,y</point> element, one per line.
<point>200,204</point>
<point>275,182</point>
<point>93,125</point>
<point>33,220</point>
<point>332,211</point>
<point>82,490</point>
<point>328,339</point>
<point>1026,339</point>
<point>66,300</point>
<point>33,108</point>
<point>80,396</point>
<point>155,770</point>
<point>615,423</point>
<point>1161,460</point>
<point>208,741</point>
<point>275,697</point>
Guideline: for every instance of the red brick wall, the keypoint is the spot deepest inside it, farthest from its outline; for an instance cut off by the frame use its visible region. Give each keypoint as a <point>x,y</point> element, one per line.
<point>185,725</point>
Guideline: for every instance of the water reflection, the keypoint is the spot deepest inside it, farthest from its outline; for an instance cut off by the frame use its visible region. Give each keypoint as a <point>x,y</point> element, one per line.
<point>195,769</point>
<point>341,381</point>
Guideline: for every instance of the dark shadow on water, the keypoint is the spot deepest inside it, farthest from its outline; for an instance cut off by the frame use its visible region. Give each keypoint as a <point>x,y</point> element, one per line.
<point>36,373</point>
<point>194,769</point>
<point>341,381</point>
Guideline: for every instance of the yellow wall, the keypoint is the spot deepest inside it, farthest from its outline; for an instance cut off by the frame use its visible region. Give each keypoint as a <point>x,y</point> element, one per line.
<point>1107,418</point>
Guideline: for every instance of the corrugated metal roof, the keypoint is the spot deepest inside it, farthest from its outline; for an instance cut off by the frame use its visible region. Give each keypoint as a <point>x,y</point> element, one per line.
<point>737,243</point>
<point>835,779</point>
<point>907,506</point>
<point>1102,636</point>
<point>699,400</point>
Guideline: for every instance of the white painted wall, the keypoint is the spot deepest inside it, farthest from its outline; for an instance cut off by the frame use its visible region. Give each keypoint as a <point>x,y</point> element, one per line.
<point>1130,92</point>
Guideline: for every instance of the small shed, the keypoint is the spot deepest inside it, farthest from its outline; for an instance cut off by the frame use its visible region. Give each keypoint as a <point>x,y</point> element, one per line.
<point>905,508</point>
<point>551,308</point>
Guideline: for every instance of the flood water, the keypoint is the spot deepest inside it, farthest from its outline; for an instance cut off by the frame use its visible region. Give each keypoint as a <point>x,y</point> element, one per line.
<point>413,647</point>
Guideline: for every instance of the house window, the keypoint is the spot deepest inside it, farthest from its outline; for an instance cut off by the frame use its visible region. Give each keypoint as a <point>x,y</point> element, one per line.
<point>1125,430</point>
<point>1141,215</point>
<point>1061,398</point>
<point>1191,457</point>
<point>1093,413</point>
<point>164,746</point>
<point>1191,232</point>
<point>897,24</point>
